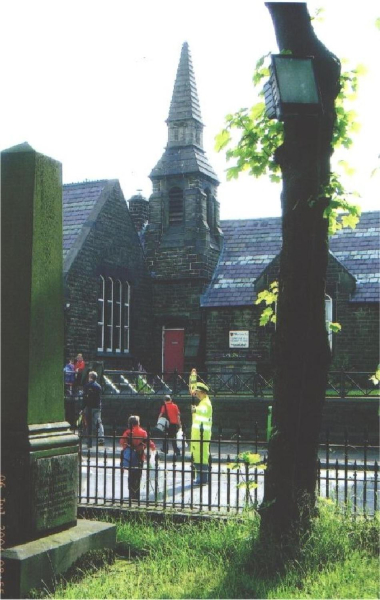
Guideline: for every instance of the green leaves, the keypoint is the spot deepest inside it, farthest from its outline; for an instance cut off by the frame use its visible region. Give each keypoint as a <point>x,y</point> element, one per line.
<point>267,316</point>
<point>346,167</point>
<point>257,111</point>
<point>261,70</point>
<point>250,137</point>
<point>251,485</point>
<point>222,139</point>
<point>335,327</point>
<point>376,377</point>
<point>270,298</point>
<point>246,461</point>
<point>250,140</point>
<point>350,220</point>
<point>249,459</point>
<point>346,122</point>
<point>340,212</point>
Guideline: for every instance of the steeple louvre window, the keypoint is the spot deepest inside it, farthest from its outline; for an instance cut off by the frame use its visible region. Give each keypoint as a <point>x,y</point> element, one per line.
<point>175,206</point>
<point>210,210</point>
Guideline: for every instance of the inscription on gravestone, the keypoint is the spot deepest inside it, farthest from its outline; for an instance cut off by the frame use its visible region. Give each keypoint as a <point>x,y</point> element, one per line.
<point>55,481</point>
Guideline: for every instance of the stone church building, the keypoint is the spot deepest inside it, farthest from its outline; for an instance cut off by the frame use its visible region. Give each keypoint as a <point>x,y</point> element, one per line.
<point>165,284</point>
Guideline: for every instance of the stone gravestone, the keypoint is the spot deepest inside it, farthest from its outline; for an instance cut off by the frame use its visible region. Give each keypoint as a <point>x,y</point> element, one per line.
<point>39,471</point>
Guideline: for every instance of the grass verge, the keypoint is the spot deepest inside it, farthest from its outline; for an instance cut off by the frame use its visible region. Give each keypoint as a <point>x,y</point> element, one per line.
<point>217,559</point>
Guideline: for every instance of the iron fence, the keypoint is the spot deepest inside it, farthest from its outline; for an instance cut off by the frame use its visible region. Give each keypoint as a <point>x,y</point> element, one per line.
<point>132,383</point>
<point>347,475</point>
<point>341,384</point>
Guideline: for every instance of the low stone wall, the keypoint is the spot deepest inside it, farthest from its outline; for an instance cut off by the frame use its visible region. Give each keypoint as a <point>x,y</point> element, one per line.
<point>357,416</point>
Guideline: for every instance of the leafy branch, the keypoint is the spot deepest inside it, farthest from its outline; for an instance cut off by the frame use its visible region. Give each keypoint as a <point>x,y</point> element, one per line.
<point>375,378</point>
<point>259,136</point>
<point>250,138</point>
<point>268,315</point>
<point>269,297</point>
<point>339,204</point>
<point>244,463</point>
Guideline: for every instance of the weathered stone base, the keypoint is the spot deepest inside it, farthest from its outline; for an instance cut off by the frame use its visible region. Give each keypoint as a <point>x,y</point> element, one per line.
<point>37,563</point>
<point>39,469</point>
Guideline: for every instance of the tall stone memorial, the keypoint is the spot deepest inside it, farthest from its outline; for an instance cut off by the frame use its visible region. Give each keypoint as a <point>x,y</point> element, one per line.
<point>39,468</point>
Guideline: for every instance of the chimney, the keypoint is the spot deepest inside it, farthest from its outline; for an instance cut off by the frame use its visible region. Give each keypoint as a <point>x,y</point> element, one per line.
<point>139,210</point>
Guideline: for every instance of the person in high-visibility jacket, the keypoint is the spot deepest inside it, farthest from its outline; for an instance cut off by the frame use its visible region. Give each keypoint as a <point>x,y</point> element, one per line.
<point>200,440</point>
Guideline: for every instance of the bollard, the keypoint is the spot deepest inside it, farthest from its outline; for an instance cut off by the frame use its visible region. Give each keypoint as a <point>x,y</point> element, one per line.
<point>269,423</point>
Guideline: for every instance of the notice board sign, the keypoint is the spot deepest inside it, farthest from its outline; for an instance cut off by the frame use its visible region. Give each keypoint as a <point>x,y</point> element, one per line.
<point>239,339</point>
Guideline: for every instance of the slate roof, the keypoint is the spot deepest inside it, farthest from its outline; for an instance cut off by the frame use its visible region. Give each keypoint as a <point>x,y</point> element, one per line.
<point>185,102</point>
<point>358,250</point>
<point>78,200</point>
<point>181,160</point>
<point>251,245</point>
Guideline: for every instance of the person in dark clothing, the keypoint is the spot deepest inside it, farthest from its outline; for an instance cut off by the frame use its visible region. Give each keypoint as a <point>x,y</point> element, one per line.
<point>171,412</point>
<point>92,406</point>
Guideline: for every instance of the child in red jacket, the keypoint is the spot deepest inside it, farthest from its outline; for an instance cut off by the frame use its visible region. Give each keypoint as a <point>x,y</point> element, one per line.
<point>135,437</point>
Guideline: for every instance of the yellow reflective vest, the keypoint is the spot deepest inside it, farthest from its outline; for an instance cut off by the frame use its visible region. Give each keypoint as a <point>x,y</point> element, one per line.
<point>202,415</point>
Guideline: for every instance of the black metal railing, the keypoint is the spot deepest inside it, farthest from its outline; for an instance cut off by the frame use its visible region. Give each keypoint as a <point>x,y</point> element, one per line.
<point>347,475</point>
<point>341,384</point>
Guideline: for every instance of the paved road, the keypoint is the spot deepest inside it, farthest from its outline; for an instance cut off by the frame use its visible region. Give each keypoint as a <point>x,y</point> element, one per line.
<point>170,482</point>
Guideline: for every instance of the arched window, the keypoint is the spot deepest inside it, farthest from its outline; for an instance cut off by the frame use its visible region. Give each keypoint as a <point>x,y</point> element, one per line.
<point>100,330</point>
<point>109,314</point>
<point>117,316</point>
<point>126,315</point>
<point>329,317</point>
<point>113,330</point>
<point>175,206</point>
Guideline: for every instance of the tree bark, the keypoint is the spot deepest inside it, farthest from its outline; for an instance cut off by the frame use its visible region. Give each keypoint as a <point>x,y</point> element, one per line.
<point>301,353</point>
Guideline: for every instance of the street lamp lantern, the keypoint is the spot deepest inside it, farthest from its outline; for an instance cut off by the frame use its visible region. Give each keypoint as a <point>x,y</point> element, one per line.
<point>292,88</point>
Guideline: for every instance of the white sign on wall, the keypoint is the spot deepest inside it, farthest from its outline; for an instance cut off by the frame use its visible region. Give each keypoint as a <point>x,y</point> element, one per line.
<point>239,339</point>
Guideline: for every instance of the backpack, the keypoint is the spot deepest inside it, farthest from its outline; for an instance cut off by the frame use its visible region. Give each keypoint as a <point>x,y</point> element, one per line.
<point>129,458</point>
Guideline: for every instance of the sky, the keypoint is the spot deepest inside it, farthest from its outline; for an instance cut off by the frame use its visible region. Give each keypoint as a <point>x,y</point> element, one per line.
<point>89,83</point>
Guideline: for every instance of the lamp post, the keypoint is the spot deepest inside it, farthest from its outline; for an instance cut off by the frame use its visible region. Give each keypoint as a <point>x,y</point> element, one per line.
<point>292,88</point>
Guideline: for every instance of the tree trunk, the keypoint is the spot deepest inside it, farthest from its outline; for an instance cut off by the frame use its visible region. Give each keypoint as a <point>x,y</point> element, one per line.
<point>301,352</point>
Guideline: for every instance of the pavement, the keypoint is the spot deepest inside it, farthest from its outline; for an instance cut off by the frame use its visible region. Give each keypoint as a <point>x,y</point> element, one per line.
<point>227,451</point>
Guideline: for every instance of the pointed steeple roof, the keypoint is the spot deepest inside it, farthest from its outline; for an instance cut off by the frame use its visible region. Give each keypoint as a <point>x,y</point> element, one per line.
<point>184,153</point>
<point>185,102</point>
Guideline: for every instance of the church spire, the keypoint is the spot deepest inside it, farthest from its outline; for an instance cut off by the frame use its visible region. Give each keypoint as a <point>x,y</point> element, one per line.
<point>184,153</point>
<point>185,102</point>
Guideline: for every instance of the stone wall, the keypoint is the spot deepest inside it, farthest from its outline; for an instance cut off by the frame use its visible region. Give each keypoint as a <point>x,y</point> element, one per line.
<point>112,247</point>
<point>356,416</point>
<point>182,258</point>
<point>356,347</point>
<point>176,304</point>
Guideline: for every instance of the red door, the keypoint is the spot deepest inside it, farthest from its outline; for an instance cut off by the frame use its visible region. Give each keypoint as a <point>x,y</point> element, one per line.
<point>173,346</point>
